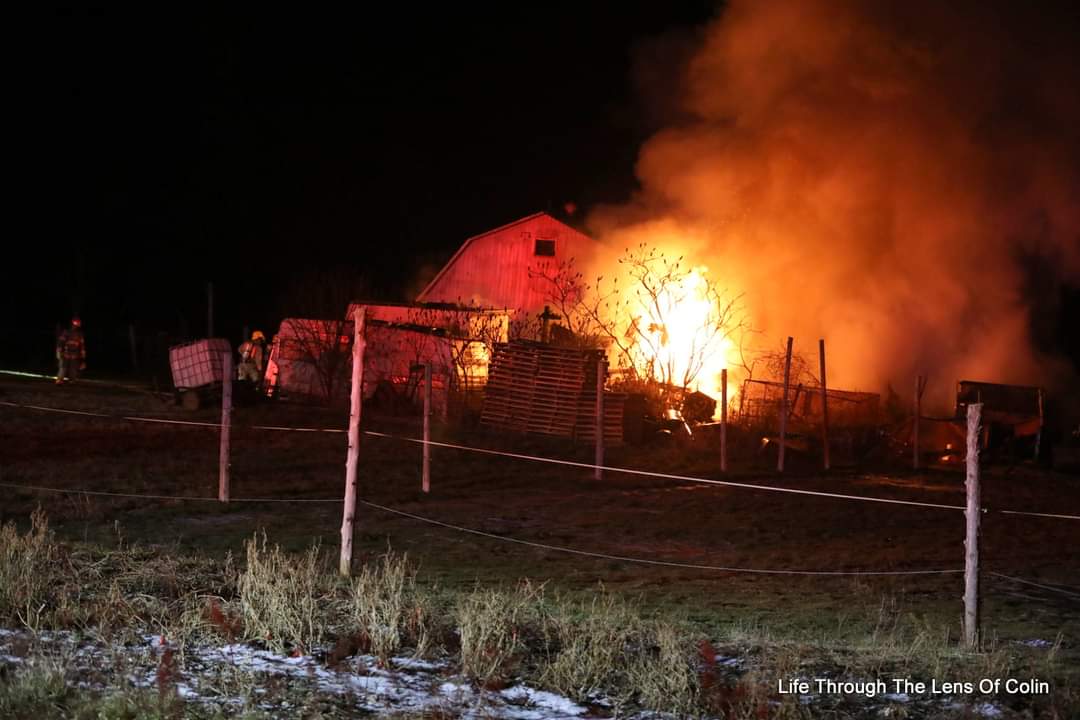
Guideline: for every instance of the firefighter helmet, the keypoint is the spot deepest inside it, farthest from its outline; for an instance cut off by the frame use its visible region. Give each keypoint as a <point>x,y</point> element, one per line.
<point>257,336</point>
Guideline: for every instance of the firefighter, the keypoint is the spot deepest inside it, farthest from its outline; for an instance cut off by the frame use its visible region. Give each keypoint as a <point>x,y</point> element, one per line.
<point>70,353</point>
<point>270,379</point>
<point>252,353</point>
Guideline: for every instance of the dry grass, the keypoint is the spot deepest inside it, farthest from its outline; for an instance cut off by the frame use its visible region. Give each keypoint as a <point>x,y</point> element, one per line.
<point>662,671</point>
<point>603,647</point>
<point>495,627</point>
<point>30,689</point>
<point>388,610</point>
<point>280,596</point>
<point>27,569</point>
<point>593,639</point>
<point>40,689</point>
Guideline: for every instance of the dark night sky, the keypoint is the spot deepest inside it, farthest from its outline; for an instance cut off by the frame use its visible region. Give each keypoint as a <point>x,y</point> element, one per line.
<point>156,152</point>
<point>159,152</point>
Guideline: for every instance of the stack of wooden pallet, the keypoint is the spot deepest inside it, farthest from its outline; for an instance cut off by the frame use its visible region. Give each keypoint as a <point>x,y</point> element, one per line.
<point>537,388</point>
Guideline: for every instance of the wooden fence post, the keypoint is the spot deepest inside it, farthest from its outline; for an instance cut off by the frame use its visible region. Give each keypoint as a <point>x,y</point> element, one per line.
<point>599,474</point>
<point>226,426</point>
<point>723,420</point>
<point>971,542</point>
<point>426,474</point>
<point>352,457</point>
<point>824,407</point>
<point>784,409</point>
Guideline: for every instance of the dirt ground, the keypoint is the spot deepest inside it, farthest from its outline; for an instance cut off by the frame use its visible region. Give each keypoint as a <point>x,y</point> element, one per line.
<point>624,515</point>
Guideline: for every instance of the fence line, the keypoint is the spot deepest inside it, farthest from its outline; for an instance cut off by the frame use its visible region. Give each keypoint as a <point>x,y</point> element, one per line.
<point>647,561</point>
<point>669,476</point>
<point>553,461</point>
<point>503,538</point>
<point>208,498</point>
<point>1038,514</point>
<point>1035,584</point>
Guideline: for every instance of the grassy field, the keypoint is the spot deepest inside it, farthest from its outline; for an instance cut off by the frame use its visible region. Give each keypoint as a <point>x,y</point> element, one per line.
<point>131,560</point>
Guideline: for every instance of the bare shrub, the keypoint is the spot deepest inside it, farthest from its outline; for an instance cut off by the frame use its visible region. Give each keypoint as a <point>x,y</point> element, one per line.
<point>662,670</point>
<point>280,596</point>
<point>26,571</point>
<point>387,608</point>
<point>592,641</point>
<point>494,627</point>
<point>36,685</point>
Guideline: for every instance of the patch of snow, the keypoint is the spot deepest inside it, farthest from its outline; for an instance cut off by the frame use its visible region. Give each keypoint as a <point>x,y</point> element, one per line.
<point>408,663</point>
<point>374,685</point>
<point>543,699</point>
<point>455,689</point>
<point>1035,643</point>
<point>404,685</point>
<point>897,697</point>
<point>989,710</point>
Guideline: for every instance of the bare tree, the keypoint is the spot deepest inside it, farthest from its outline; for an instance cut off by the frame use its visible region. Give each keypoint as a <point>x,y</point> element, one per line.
<point>663,322</point>
<point>585,309</point>
<point>471,334</point>
<point>768,364</point>
<point>319,338</point>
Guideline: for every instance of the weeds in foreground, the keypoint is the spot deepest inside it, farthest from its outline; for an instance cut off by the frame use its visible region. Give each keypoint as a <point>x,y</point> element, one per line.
<point>662,671</point>
<point>494,626</point>
<point>388,610</point>
<point>26,571</point>
<point>599,646</point>
<point>593,638</point>
<point>39,690</point>
<point>280,597</point>
<point>33,688</point>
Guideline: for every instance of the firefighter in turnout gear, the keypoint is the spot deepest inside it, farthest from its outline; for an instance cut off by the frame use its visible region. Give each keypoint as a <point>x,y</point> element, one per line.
<point>252,355</point>
<point>70,353</point>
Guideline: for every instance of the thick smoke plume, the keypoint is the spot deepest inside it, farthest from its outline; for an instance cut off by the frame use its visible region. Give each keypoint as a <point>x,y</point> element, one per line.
<point>902,179</point>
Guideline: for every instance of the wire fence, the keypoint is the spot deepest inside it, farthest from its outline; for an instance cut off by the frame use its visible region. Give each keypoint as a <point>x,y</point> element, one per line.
<point>541,459</point>
<point>538,459</point>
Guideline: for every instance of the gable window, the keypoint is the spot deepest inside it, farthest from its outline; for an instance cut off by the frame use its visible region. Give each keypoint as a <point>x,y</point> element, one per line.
<point>544,248</point>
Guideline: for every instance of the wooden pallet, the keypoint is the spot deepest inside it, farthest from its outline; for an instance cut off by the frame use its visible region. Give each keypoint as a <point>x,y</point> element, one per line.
<point>537,388</point>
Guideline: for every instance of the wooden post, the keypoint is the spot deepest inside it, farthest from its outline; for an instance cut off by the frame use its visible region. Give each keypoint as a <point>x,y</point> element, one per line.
<point>723,420</point>
<point>352,457</point>
<point>599,474</point>
<point>971,543</point>
<point>426,475</point>
<point>226,426</point>
<point>824,407</point>
<point>209,309</point>
<point>920,386</point>
<point>784,409</point>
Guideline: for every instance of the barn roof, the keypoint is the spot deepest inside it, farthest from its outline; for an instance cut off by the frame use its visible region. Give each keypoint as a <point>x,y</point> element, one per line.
<point>465,245</point>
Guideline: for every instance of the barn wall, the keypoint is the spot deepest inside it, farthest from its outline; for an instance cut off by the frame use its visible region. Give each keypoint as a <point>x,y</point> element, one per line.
<point>492,270</point>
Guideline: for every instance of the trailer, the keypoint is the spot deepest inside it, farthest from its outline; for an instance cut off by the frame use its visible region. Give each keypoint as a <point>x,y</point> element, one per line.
<point>198,371</point>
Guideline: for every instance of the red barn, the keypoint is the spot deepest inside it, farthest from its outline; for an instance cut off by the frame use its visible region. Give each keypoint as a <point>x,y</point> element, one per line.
<point>496,269</point>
